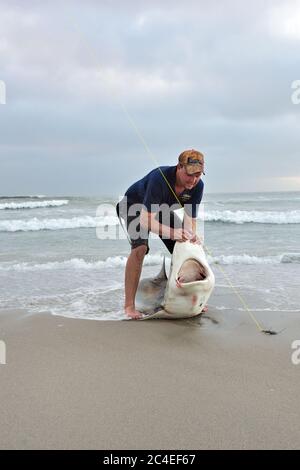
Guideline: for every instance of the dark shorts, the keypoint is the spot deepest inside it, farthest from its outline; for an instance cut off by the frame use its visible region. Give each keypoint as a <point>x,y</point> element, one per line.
<point>138,236</point>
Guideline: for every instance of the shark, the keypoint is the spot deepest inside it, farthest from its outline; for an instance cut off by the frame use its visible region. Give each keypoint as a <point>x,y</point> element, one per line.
<point>182,294</point>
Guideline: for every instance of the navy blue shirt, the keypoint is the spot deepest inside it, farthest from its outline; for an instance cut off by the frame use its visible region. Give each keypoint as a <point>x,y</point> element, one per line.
<point>153,189</point>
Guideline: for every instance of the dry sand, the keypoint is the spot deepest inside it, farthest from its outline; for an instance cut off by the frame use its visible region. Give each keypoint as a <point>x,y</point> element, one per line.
<point>81,384</point>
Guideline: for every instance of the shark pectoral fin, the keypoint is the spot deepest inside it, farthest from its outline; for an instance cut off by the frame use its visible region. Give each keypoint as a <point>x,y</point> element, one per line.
<point>158,314</point>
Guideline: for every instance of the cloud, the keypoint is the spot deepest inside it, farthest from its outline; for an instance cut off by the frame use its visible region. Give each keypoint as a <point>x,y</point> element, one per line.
<point>211,75</point>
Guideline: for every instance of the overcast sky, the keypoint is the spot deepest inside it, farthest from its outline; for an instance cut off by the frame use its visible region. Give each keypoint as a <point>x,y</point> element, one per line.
<point>211,75</point>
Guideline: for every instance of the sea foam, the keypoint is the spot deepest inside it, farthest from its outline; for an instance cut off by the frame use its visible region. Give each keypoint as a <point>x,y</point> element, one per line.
<point>33,205</point>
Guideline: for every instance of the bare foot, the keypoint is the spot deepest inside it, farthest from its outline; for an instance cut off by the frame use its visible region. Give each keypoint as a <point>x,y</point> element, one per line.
<point>205,309</point>
<point>131,312</point>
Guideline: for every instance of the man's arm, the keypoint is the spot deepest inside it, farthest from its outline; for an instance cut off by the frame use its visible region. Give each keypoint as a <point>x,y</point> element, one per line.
<point>190,225</point>
<point>148,221</point>
<point>191,211</point>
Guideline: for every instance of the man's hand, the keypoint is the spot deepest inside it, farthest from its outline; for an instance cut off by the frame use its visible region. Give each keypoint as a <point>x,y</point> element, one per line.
<point>196,239</point>
<point>181,235</point>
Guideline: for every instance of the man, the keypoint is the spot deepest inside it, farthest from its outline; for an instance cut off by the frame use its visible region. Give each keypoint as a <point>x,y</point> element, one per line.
<point>167,186</point>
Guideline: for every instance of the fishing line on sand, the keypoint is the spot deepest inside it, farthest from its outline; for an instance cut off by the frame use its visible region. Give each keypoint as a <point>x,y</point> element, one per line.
<point>152,156</point>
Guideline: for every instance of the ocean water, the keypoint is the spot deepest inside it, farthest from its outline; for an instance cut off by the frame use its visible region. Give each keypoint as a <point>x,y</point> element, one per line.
<point>52,258</point>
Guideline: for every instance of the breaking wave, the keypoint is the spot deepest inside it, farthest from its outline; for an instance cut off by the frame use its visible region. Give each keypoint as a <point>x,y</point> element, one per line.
<point>293,258</point>
<point>237,217</point>
<point>257,217</point>
<point>150,260</point>
<point>79,263</point>
<point>34,224</point>
<point>33,205</point>
<point>36,196</point>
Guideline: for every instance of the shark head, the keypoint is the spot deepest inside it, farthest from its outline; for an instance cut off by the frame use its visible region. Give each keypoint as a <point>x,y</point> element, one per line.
<point>185,293</point>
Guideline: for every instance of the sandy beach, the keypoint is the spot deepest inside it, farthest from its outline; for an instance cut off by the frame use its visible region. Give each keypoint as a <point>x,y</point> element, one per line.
<point>215,383</point>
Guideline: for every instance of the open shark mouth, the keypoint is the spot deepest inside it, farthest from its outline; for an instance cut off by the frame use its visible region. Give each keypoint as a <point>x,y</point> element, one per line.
<point>190,271</point>
<point>185,293</point>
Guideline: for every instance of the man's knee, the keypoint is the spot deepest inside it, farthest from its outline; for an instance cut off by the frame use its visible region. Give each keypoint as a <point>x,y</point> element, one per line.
<point>140,251</point>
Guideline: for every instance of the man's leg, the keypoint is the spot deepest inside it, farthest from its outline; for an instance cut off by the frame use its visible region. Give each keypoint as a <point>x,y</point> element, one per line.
<point>138,238</point>
<point>132,276</point>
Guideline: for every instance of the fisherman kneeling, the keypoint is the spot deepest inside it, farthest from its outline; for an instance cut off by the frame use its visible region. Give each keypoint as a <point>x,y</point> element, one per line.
<point>171,186</point>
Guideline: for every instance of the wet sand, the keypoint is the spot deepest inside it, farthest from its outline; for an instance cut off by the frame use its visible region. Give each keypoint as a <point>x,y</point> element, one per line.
<point>192,384</point>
